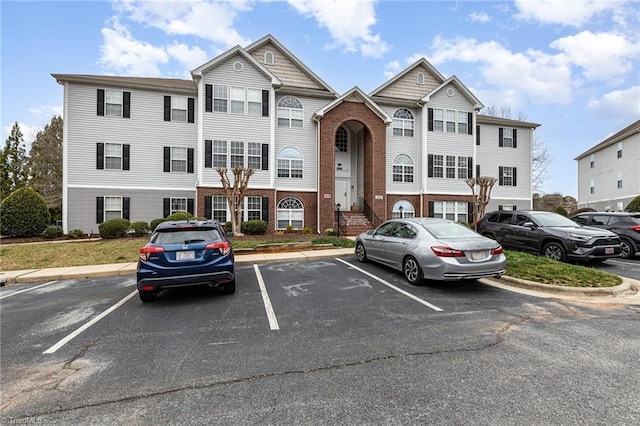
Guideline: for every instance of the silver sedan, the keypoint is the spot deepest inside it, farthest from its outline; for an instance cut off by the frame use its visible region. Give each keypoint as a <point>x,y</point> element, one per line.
<point>433,249</point>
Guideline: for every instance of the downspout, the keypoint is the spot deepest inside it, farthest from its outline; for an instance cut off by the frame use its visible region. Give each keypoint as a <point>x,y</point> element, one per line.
<point>317,120</point>
<point>423,138</point>
<point>65,160</point>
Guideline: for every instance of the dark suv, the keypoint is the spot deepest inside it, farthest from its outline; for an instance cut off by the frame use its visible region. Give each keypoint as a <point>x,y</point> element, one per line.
<point>626,225</point>
<point>184,253</point>
<point>549,234</point>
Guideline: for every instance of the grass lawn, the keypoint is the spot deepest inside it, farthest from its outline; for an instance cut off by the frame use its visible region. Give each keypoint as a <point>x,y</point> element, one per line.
<point>78,253</point>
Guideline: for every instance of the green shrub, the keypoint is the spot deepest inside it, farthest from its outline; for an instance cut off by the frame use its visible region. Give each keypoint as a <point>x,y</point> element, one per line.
<point>254,227</point>
<point>561,210</point>
<point>307,230</point>
<point>114,228</point>
<point>53,232</point>
<point>180,216</point>
<point>76,233</point>
<point>156,222</point>
<point>140,229</point>
<point>289,229</point>
<point>24,213</point>
<point>227,227</point>
<point>634,205</point>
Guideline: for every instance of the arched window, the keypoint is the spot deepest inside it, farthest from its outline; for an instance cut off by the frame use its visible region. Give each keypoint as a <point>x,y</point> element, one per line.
<point>341,140</point>
<point>268,57</point>
<point>290,112</point>
<point>403,123</point>
<point>420,78</point>
<point>290,163</point>
<point>403,208</point>
<point>290,213</point>
<point>402,168</point>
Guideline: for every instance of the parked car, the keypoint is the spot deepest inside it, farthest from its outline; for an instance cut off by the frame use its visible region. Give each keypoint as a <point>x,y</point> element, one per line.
<point>430,248</point>
<point>626,225</point>
<point>549,234</point>
<point>185,253</point>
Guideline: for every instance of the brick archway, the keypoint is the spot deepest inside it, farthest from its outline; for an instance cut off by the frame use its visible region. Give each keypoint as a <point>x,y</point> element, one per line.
<point>375,146</point>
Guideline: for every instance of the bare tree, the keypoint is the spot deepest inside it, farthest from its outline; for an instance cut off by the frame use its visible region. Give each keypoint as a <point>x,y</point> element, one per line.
<point>481,199</point>
<point>235,193</point>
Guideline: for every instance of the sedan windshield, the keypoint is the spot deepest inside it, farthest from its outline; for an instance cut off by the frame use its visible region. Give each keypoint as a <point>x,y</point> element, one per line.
<point>552,219</point>
<point>447,230</point>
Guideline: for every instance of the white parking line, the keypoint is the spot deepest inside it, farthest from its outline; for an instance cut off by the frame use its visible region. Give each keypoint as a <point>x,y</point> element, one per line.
<point>27,289</point>
<point>391,286</point>
<point>273,321</point>
<point>67,339</point>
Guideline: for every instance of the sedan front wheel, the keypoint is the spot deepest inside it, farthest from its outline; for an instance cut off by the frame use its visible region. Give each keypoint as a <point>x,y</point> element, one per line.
<point>412,271</point>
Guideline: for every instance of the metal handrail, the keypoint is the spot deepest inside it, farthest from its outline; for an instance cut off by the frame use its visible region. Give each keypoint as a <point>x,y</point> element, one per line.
<point>370,214</point>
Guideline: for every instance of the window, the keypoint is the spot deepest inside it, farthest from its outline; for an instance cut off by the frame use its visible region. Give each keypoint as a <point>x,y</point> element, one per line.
<point>254,155</point>
<point>420,78</point>
<point>290,163</point>
<point>507,138</point>
<point>179,108</point>
<point>219,208</point>
<point>451,167</point>
<point>341,140</point>
<point>254,101</point>
<point>463,168</point>
<point>592,187</point>
<point>403,168</point>
<point>113,103</point>
<point>219,153</point>
<point>111,207</point>
<point>220,98</point>
<point>402,208</point>
<point>178,205</point>
<point>290,112</point>
<point>178,159</point>
<point>506,207</point>
<point>507,176</point>
<point>451,210</point>
<point>436,166</point>
<point>290,213</point>
<point>254,208</point>
<point>403,123</point>
<point>592,161</point>
<point>451,121</point>
<point>268,58</point>
<point>112,156</point>
<point>237,100</point>
<point>619,154</point>
<point>619,180</point>
<point>237,154</point>
<point>463,125</point>
<point>436,120</point>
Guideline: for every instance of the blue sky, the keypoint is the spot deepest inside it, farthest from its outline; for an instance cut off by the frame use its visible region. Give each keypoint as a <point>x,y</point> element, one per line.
<point>571,65</point>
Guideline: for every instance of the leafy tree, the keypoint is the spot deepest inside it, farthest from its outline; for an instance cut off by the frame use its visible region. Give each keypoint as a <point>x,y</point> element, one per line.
<point>13,170</point>
<point>634,205</point>
<point>235,193</point>
<point>481,200</point>
<point>24,213</point>
<point>45,163</point>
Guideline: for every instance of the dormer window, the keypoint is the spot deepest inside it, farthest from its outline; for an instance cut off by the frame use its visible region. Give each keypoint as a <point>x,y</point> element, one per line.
<point>268,58</point>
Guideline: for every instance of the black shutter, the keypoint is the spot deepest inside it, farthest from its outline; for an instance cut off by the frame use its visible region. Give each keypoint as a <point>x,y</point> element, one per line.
<point>207,207</point>
<point>514,207</point>
<point>126,154</point>
<point>166,207</point>
<point>430,168</point>
<point>469,123</point>
<point>190,152</point>
<point>515,175</point>
<point>190,205</point>
<point>100,156</point>
<point>430,115</point>
<point>191,107</point>
<point>265,156</point>
<point>470,218</point>
<point>99,209</point>
<point>500,141</point>
<point>126,104</point>
<point>515,138</point>
<point>126,207</point>
<point>265,209</point>
<point>208,98</point>
<point>167,159</point>
<point>477,135</point>
<point>167,108</point>
<point>477,170</point>
<point>500,178</point>
<point>265,103</point>
<point>208,154</point>
<point>100,103</point>
<point>431,208</point>
<point>500,207</point>
<point>470,167</point>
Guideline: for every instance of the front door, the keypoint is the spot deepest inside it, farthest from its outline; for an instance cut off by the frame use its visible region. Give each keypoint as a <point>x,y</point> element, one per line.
<point>342,193</point>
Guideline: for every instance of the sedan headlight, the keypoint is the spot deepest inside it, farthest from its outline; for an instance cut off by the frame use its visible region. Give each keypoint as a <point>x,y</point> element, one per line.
<point>578,237</point>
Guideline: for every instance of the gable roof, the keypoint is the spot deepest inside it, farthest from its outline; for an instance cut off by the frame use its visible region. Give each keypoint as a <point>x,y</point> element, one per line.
<point>615,138</point>
<point>354,95</point>
<point>420,62</point>
<point>477,105</point>
<point>500,121</point>
<point>198,72</point>
<point>270,39</point>
<point>145,83</point>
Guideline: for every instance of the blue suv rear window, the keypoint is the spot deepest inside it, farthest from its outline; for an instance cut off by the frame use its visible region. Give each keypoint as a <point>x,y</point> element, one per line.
<point>184,236</point>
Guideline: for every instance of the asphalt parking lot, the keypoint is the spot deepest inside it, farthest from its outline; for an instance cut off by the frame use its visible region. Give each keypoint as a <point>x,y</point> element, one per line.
<point>318,341</point>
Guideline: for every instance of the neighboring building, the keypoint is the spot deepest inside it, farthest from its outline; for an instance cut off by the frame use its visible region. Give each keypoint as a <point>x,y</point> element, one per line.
<point>550,202</point>
<point>609,173</point>
<point>142,148</point>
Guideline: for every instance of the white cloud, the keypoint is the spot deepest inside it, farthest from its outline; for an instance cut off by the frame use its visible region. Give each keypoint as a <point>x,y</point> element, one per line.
<point>479,17</point>
<point>46,112</point>
<point>603,56</point>
<point>618,104</point>
<point>210,20</point>
<point>391,69</point>
<point>190,57</point>
<point>348,22</point>
<point>122,53</point>
<point>564,12</point>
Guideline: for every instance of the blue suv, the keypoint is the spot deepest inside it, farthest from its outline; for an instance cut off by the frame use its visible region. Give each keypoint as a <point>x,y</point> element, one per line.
<point>185,253</point>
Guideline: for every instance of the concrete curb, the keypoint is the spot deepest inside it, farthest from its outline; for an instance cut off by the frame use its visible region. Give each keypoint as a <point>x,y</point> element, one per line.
<point>628,285</point>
